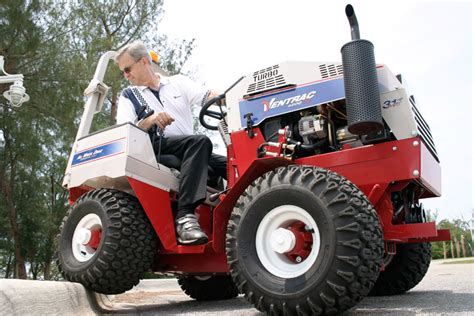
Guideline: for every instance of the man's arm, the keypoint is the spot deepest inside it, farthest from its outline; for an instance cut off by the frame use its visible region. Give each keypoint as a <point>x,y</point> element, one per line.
<point>126,113</point>
<point>195,94</point>
<point>212,94</point>
<point>161,120</point>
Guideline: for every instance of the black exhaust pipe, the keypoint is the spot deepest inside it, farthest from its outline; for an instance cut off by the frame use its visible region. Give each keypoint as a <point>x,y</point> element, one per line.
<point>364,113</point>
<point>353,22</point>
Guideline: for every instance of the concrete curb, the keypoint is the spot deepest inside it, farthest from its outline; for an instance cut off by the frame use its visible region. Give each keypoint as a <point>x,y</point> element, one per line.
<point>23,297</point>
<point>28,297</point>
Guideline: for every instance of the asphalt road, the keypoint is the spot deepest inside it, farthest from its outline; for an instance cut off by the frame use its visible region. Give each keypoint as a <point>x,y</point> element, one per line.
<point>447,289</point>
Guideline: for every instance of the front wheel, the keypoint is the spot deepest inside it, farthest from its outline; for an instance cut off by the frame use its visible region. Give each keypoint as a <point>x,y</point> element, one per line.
<point>106,242</point>
<point>303,240</point>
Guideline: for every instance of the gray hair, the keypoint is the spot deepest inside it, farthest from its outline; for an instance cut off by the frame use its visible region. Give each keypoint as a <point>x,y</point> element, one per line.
<point>136,50</point>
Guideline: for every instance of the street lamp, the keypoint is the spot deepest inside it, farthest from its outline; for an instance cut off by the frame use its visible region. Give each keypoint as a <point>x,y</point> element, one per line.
<point>16,95</point>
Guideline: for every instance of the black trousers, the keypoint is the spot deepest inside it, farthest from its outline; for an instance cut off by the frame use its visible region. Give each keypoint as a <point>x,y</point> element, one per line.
<point>218,164</point>
<point>194,151</point>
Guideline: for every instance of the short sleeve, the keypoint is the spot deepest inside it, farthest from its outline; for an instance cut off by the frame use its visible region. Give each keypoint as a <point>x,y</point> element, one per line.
<point>125,111</point>
<point>194,93</point>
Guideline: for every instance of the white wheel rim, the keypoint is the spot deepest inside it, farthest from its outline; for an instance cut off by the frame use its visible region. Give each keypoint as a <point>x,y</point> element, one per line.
<point>276,263</point>
<point>81,236</point>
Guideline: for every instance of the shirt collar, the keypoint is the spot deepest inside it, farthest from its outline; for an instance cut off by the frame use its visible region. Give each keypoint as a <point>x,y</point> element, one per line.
<point>163,81</point>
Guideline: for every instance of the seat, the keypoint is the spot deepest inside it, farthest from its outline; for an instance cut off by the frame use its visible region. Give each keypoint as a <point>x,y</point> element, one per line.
<point>173,162</point>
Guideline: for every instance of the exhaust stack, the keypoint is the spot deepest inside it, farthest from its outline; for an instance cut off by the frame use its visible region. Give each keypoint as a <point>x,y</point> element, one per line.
<point>353,22</point>
<point>364,113</point>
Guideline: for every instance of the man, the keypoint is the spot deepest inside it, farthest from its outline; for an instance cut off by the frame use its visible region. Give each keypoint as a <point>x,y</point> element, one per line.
<point>171,100</point>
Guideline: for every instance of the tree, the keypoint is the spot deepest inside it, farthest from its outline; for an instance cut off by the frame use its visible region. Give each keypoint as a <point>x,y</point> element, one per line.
<point>20,37</point>
<point>100,26</point>
<point>459,231</point>
<point>56,45</point>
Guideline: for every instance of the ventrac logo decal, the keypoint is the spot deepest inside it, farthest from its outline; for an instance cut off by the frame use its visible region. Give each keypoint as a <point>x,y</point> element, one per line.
<point>289,102</point>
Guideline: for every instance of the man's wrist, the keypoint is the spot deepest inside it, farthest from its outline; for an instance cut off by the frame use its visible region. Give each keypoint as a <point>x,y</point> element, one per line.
<point>145,124</point>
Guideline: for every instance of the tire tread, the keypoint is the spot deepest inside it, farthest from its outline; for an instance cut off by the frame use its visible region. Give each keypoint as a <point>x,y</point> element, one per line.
<point>127,249</point>
<point>358,251</point>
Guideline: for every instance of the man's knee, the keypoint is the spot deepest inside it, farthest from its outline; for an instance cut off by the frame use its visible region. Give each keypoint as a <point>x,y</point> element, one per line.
<point>203,141</point>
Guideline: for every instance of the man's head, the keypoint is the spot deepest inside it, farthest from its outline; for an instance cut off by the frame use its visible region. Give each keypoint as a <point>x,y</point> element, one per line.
<point>135,63</point>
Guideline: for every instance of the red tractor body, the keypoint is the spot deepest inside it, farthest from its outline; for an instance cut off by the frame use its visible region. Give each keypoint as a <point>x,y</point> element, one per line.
<point>326,164</point>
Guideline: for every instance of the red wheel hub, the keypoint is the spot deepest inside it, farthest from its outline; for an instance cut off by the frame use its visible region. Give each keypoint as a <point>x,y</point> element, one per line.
<point>94,240</point>
<point>303,243</point>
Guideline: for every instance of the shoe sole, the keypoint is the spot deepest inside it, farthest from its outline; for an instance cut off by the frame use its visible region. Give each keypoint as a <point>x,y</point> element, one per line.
<point>199,241</point>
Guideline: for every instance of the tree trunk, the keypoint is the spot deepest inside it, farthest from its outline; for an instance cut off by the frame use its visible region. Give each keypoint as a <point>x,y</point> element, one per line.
<point>47,270</point>
<point>445,255</point>
<point>463,247</point>
<point>452,250</point>
<point>34,270</point>
<point>9,265</point>
<point>6,188</point>
<point>20,270</point>
<point>51,232</point>
<point>456,248</point>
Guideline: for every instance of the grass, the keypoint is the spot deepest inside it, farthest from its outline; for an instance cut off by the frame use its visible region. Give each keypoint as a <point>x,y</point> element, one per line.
<point>460,261</point>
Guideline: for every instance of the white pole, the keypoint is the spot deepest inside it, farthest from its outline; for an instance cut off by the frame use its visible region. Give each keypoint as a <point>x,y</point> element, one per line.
<point>93,102</point>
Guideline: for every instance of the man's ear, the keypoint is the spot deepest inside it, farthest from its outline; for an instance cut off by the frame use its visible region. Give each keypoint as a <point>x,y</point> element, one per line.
<point>147,62</point>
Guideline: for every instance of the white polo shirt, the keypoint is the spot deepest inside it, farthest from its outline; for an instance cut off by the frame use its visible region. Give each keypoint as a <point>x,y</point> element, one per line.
<point>177,94</point>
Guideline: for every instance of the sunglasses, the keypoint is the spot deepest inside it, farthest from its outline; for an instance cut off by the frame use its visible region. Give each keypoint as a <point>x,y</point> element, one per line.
<point>127,69</point>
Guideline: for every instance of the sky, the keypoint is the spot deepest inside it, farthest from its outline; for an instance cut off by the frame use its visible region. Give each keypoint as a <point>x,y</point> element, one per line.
<point>428,42</point>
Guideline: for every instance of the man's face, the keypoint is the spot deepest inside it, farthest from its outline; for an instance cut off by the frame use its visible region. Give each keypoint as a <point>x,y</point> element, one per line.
<point>133,70</point>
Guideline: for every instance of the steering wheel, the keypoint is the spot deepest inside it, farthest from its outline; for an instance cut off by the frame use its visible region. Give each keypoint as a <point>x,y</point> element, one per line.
<point>213,114</point>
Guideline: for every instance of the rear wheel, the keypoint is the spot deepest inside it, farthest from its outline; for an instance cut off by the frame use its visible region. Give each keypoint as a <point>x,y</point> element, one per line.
<point>208,288</point>
<point>404,271</point>
<point>106,242</point>
<point>303,240</point>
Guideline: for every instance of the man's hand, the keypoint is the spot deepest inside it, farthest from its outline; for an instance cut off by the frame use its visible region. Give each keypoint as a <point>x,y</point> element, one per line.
<point>161,120</point>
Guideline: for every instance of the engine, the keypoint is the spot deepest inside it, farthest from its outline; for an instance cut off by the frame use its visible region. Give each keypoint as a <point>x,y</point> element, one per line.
<point>321,129</point>
<point>308,101</point>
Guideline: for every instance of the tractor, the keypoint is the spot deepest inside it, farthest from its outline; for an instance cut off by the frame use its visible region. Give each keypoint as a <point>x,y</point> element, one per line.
<point>327,164</point>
